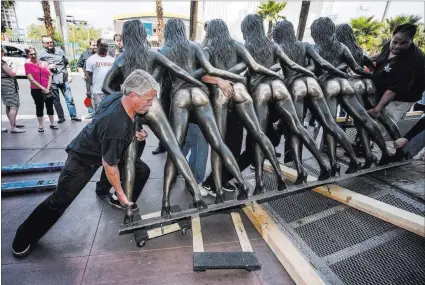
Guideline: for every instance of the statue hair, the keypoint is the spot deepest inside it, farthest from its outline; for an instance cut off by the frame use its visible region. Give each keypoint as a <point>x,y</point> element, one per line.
<point>323,34</point>
<point>256,42</point>
<point>345,35</point>
<point>136,46</point>
<point>220,41</point>
<point>284,36</point>
<point>175,39</point>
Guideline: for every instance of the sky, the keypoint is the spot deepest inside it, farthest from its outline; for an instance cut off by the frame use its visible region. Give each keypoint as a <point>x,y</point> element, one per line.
<point>100,14</point>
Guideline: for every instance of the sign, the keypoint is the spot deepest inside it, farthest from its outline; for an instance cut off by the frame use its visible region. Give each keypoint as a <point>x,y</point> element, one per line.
<point>148,27</point>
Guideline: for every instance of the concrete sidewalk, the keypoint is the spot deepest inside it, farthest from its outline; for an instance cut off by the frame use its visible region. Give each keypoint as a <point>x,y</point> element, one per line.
<point>84,246</point>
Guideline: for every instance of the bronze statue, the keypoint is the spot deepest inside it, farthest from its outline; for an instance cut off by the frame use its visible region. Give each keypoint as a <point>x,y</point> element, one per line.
<point>227,54</point>
<point>338,88</point>
<point>365,90</point>
<point>188,100</point>
<point>138,55</point>
<point>306,89</point>
<point>267,90</point>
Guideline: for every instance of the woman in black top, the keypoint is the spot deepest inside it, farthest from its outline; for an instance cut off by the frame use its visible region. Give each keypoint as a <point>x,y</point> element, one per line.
<point>399,74</point>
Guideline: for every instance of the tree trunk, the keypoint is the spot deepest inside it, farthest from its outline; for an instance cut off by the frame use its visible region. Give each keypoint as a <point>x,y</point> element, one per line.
<point>193,20</point>
<point>160,17</point>
<point>270,30</point>
<point>47,18</point>
<point>305,7</point>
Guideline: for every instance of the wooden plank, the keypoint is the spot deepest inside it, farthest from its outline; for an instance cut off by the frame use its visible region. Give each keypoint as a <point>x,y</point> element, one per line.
<point>165,230</point>
<point>414,113</point>
<point>198,243</point>
<point>151,215</point>
<point>240,231</point>
<point>396,216</point>
<point>300,270</point>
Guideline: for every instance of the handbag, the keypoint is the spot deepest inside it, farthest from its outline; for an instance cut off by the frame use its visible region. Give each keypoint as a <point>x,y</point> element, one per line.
<point>45,95</point>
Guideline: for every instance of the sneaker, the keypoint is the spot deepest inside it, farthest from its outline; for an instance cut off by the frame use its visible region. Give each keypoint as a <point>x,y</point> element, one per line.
<point>202,190</point>
<point>20,251</point>
<point>206,185</point>
<point>75,119</point>
<point>3,130</point>
<point>113,200</point>
<point>60,121</point>
<point>89,116</point>
<point>228,187</point>
<point>252,167</point>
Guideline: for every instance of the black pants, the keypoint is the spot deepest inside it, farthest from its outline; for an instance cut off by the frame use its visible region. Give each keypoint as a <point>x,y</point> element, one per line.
<point>142,175</point>
<point>39,101</point>
<point>73,178</point>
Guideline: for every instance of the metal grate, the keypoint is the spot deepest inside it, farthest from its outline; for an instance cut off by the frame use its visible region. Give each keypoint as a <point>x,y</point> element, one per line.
<point>340,231</point>
<point>411,206</point>
<point>399,262</point>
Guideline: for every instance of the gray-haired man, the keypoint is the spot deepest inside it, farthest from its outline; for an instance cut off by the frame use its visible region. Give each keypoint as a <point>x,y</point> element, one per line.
<point>102,142</point>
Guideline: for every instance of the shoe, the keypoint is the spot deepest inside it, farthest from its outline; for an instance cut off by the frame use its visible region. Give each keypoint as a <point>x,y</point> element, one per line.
<point>17,131</point>
<point>20,126</point>
<point>60,121</point>
<point>202,190</point>
<point>54,127</point>
<point>40,130</point>
<point>209,188</point>
<point>75,119</point>
<point>252,167</point>
<point>113,200</point>
<point>20,251</point>
<point>4,130</point>
<point>278,154</point>
<point>228,187</point>
<point>89,116</point>
<point>158,150</point>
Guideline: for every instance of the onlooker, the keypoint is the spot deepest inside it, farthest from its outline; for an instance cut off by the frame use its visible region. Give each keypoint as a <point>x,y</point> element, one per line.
<point>39,75</point>
<point>399,74</point>
<point>118,49</point>
<point>97,66</point>
<point>59,66</point>
<point>198,147</point>
<point>9,94</point>
<point>81,65</point>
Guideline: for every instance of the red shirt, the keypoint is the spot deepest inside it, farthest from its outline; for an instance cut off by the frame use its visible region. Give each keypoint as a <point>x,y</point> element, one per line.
<point>39,71</point>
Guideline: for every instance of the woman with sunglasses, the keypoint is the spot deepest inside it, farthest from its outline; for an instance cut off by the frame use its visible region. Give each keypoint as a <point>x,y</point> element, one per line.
<point>39,75</point>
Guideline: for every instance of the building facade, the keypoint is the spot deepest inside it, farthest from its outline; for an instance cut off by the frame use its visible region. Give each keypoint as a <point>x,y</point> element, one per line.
<point>8,16</point>
<point>151,24</point>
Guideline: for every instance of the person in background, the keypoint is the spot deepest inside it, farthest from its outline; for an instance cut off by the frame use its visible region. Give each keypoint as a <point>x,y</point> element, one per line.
<point>414,141</point>
<point>97,66</point>
<point>59,66</point>
<point>9,94</point>
<point>399,74</point>
<point>81,65</point>
<point>39,75</point>
<point>118,49</point>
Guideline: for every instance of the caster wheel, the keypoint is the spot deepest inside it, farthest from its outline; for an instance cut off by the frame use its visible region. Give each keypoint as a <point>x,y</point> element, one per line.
<point>183,231</point>
<point>141,243</point>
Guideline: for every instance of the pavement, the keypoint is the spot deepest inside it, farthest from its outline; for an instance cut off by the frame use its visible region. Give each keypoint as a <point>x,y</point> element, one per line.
<point>84,246</point>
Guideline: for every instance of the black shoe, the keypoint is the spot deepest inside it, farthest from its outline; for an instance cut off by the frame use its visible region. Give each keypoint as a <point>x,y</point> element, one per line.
<point>158,150</point>
<point>20,251</point>
<point>278,154</point>
<point>210,188</point>
<point>75,119</point>
<point>113,200</point>
<point>228,187</point>
<point>60,121</point>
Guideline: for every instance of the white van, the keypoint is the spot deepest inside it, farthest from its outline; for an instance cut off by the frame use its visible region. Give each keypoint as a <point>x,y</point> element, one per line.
<point>15,54</point>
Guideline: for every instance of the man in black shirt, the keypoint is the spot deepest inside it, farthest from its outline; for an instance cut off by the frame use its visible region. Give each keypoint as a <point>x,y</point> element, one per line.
<point>118,49</point>
<point>102,142</point>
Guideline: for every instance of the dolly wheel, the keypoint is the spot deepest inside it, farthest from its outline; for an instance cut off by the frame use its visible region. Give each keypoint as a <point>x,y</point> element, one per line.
<point>141,243</point>
<point>183,231</point>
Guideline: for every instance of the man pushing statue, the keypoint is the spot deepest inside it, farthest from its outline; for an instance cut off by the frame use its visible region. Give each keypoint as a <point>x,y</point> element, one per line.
<point>102,142</point>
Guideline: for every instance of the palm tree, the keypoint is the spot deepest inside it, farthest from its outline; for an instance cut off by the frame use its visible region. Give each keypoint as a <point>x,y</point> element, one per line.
<point>305,7</point>
<point>47,18</point>
<point>193,19</point>
<point>6,5</point>
<point>392,23</point>
<point>419,38</point>
<point>270,10</point>
<point>367,32</point>
<point>160,17</point>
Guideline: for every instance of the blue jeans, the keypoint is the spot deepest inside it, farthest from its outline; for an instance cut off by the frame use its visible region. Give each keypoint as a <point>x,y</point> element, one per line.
<point>198,147</point>
<point>415,145</point>
<point>65,88</point>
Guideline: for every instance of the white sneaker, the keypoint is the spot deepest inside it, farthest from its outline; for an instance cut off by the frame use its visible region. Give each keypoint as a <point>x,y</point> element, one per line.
<point>202,190</point>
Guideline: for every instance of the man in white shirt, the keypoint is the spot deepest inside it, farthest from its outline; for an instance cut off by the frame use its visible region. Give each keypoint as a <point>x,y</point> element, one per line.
<point>97,66</point>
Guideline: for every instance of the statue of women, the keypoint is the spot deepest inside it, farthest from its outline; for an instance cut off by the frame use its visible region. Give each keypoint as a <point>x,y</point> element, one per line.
<point>306,90</point>
<point>338,88</point>
<point>267,90</point>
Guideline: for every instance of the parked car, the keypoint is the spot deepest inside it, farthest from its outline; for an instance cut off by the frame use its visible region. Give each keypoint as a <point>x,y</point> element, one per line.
<point>15,54</point>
